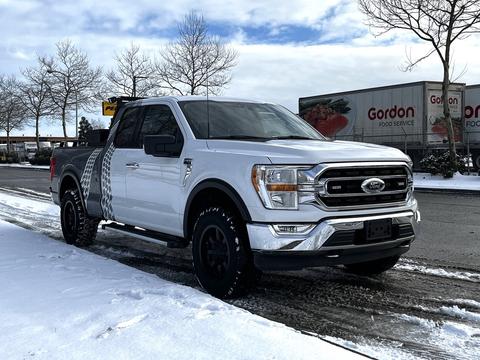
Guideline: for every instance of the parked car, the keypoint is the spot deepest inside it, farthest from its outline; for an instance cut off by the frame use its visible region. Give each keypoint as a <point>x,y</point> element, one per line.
<point>249,185</point>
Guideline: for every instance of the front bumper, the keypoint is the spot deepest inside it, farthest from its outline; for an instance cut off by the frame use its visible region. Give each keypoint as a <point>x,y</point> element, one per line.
<point>332,242</point>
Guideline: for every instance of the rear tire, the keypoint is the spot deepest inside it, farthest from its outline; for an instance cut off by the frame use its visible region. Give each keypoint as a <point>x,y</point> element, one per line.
<point>222,260</point>
<point>374,267</point>
<point>78,228</point>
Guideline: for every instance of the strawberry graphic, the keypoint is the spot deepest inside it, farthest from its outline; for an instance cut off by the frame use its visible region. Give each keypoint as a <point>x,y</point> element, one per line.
<point>327,116</point>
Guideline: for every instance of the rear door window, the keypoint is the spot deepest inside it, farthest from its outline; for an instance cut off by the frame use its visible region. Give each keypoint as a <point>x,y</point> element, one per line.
<point>126,129</point>
<point>159,120</point>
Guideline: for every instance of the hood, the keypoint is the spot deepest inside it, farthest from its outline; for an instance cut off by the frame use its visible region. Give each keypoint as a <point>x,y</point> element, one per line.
<point>310,151</point>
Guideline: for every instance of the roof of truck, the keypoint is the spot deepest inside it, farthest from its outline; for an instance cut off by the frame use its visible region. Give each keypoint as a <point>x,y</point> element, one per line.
<point>198,98</point>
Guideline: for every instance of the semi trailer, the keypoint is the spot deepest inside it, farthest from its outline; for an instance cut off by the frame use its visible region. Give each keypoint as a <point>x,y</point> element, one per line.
<point>406,116</point>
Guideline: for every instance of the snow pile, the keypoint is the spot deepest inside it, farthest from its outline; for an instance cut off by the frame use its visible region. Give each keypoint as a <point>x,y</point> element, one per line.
<point>458,182</point>
<point>62,302</point>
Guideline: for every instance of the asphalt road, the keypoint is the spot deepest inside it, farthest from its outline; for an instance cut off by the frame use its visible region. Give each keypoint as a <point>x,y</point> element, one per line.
<point>33,179</point>
<point>449,232</point>
<point>427,307</point>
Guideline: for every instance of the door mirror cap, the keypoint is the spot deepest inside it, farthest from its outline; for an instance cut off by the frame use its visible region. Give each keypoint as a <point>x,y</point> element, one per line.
<point>162,145</point>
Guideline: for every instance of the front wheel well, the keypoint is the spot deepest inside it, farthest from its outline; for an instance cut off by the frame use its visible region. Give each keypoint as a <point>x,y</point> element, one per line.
<point>215,194</point>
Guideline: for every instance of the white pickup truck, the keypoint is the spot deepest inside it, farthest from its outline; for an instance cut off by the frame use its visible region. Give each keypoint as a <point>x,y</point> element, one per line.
<point>248,184</point>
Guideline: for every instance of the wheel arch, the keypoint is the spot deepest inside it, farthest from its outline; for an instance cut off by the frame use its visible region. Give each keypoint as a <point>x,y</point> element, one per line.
<point>69,180</point>
<point>204,191</point>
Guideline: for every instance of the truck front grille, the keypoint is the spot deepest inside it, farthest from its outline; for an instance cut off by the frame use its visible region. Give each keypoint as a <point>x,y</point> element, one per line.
<point>341,188</point>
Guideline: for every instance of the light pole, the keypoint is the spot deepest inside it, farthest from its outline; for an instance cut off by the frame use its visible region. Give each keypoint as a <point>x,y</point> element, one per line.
<point>134,91</point>
<point>51,71</point>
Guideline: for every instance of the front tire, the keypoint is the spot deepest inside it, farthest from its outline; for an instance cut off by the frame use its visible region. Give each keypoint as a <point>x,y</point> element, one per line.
<point>222,261</point>
<point>374,267</point>
<point>77,227</point>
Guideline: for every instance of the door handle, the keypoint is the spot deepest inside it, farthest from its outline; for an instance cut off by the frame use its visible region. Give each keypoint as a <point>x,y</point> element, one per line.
<point>132,165</point>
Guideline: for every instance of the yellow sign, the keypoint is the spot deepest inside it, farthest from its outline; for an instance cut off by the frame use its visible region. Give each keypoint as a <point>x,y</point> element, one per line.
<point>108,108</point>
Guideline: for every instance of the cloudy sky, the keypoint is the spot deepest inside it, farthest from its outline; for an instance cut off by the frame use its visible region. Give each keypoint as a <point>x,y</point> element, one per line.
<point>287,49</point>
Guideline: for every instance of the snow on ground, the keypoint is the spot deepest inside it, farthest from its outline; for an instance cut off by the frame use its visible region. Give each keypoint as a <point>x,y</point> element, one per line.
<point>458,182</point>
<point>60,302</point>
<point>406,264</point>
<point>26,165</point>
<point>445,334</point>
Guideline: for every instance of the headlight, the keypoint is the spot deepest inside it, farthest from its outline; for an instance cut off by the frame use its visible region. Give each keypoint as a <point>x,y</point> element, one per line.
<point>278,186</point>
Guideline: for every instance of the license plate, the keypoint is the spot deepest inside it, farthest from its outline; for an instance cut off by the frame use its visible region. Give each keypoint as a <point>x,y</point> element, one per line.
<point>378,229</point>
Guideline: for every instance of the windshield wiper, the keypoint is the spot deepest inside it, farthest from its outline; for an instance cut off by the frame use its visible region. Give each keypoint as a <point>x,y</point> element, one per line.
<point>297,137</point>
<point>237,137</point>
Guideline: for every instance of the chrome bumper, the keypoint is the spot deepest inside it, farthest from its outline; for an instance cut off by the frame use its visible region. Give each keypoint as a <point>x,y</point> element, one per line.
<point>263,237</point>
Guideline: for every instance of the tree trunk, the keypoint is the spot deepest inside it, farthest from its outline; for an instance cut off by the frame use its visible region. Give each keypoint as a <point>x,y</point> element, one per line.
<point>448,117</point>
<point>8,142</point>
<point>8,135</point>
<point>64,125</point>
<point>37,135</point>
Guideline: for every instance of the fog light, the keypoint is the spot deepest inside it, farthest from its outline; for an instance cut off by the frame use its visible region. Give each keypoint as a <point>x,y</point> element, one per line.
<point>292,229</point>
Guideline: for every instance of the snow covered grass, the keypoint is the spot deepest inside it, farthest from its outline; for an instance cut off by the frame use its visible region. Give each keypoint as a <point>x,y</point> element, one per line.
<point>60,302</point>
<point>458,182</point>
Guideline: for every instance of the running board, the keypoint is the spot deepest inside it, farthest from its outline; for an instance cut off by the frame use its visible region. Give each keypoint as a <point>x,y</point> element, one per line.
<point>147,235</point>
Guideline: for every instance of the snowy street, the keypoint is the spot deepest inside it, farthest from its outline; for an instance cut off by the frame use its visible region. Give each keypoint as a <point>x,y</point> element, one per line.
<point>419,309</point>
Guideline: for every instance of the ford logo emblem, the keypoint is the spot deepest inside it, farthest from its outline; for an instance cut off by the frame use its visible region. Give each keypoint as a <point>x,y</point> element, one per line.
<point>373,185</point>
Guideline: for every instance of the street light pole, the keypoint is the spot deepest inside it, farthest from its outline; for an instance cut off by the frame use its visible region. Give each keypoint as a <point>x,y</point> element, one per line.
<point>134,87</point>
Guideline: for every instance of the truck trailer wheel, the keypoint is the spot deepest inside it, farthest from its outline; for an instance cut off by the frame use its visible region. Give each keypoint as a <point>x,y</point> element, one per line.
<point>223,264</point>
<point>78,228</point>
<point>373,267</point>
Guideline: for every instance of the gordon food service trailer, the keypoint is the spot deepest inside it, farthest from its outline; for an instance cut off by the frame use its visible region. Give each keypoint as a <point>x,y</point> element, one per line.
<point>472,122</point>
<point>406,116</point>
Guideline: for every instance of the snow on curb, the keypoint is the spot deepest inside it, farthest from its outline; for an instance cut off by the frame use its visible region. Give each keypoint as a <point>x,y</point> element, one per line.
<point>60,302</point>
<point>27,166</point>
<point>458,182</point>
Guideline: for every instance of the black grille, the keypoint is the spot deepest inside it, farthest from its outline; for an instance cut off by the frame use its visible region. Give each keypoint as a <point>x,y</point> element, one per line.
<point>365,171</point>
<point>357,237</point>
<point>355,186</point>
<point>344,186</point>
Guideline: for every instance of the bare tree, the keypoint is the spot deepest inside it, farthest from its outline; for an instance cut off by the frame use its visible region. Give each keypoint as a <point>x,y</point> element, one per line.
<point>34,95</point>
<point>132,75</point>
<point>12,113</point>
<point>73,83</point>
<point>437,22</point>
<point>196,61</point>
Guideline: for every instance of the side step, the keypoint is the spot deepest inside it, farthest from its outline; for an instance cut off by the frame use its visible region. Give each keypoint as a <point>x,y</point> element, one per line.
<point>148,235</point>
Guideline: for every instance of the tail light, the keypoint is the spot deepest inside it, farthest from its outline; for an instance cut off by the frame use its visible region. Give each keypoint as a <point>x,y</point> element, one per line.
<point>52,167</point>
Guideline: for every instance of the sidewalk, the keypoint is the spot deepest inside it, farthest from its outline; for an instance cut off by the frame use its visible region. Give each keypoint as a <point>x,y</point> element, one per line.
<point>61,302</point>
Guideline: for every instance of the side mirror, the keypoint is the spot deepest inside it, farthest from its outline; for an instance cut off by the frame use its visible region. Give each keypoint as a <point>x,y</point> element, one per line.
<point>162,145</point>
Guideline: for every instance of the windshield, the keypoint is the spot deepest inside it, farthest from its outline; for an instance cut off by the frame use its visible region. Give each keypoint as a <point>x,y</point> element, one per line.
<point>242,120</point>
